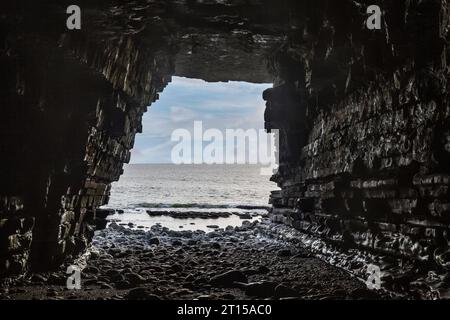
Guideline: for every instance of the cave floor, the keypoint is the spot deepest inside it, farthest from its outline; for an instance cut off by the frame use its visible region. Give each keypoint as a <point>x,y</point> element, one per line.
<point>231,263</point>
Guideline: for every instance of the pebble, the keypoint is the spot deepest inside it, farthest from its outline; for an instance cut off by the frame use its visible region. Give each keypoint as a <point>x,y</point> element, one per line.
<point>284,253</point>
<point>215,245</point>
<point>228,279</point>
<point>134,278</point>
<point>123,285</point>
<point>104,285</point>
<point>282,291</point>
<point>263,269</point>
<point>91,269</point>
<point>227,296</point>
<point>141,294</point>
<point>261,289</point>
<point>111,273</point>
<point>56,280</point>
<point>177,268</point>
<point>177,243</point>
<point>91,282</point>
<point>52,293</point>
<point>38,278</point>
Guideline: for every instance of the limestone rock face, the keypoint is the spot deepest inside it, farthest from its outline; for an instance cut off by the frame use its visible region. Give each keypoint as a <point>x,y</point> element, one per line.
<point>363,115</point>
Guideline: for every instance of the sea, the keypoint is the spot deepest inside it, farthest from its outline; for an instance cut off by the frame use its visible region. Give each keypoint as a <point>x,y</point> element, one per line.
<point>192,188</point>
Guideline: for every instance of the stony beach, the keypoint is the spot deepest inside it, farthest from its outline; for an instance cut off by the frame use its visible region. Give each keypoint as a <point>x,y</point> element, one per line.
<point>245,262</point>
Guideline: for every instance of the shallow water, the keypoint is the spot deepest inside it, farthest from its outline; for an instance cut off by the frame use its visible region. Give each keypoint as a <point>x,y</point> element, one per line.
<point>197,188</point>
<point>143,219</point>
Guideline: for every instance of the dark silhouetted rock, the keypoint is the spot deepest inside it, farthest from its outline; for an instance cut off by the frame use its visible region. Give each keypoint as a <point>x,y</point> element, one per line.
<point>141,294</point>
<point>153,241</point>
<point>228,279</point>
<point>282,291</point>
<point>262,289</point>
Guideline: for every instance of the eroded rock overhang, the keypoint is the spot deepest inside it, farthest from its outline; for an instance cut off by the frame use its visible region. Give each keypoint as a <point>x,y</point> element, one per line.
<point>363,114</point>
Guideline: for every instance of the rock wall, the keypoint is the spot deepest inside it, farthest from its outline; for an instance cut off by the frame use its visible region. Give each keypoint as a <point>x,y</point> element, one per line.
<point>363,114</point>
<point>71,109</point>
<point>372,169</point>
<point>72,102</point>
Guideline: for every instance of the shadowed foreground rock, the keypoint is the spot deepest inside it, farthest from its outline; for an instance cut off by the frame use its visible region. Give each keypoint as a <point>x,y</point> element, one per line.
<point>190,265</point>
<point>363,117</point>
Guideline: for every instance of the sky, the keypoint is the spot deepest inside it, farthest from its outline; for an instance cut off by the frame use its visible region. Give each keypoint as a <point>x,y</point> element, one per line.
<point>219,105</point>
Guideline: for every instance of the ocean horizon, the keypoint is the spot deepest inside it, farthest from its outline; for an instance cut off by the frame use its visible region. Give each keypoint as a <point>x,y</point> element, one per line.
<point>168,185</point>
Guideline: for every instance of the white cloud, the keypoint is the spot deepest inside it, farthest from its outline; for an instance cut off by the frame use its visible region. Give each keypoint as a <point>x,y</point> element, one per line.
<point>181,114</point>
<point>218,105</point>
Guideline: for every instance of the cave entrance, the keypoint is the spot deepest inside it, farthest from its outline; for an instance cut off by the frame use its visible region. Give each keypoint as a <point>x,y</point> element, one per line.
<point>198,163</point>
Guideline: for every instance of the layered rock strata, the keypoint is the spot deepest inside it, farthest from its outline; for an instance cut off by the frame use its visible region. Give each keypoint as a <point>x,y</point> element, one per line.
<point>363,115</point>
<point>372,170</point>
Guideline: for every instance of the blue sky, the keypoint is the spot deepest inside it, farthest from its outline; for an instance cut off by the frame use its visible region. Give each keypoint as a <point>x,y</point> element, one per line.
<point>221,105</point>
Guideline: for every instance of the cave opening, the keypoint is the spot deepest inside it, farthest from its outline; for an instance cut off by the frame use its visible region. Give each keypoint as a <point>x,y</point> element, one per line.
<point>197,165</point>
<point>363,148</point>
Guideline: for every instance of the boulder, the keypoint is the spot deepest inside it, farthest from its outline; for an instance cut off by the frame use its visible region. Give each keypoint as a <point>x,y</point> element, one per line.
<point>228,279</point>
